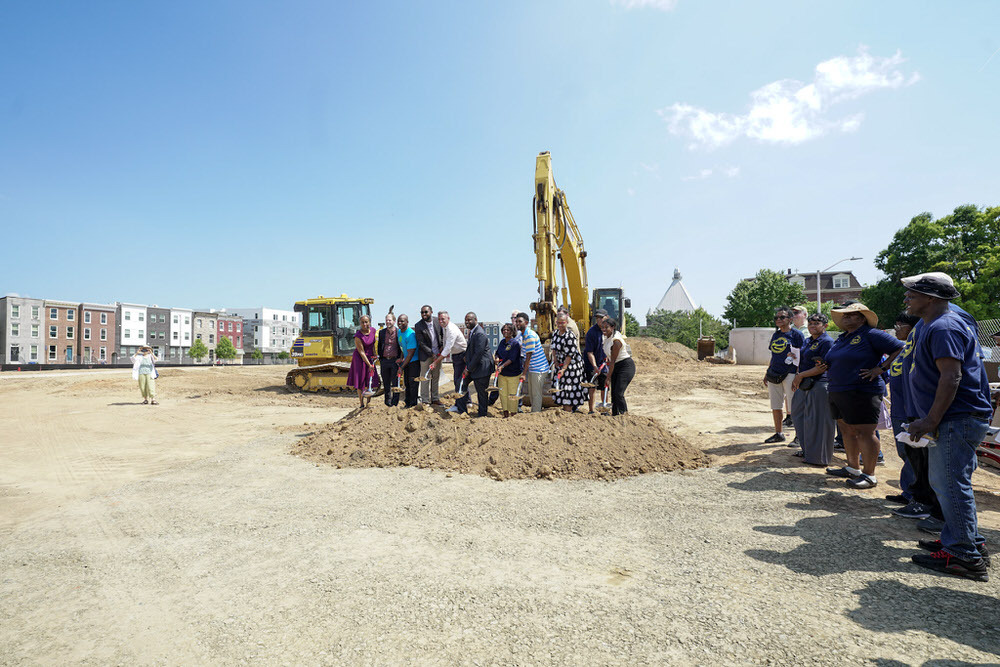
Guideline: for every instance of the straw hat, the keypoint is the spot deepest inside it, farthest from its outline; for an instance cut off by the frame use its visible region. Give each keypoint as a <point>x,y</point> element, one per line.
<point>838,314</point>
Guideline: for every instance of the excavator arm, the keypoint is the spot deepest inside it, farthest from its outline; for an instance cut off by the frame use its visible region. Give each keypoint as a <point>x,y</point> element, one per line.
<point>559,254</point>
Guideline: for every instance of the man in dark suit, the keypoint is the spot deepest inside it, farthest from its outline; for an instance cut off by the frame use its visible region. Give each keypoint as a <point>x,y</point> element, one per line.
<point>478,365</point>
<point>388,352</point>
<point>430,337</point>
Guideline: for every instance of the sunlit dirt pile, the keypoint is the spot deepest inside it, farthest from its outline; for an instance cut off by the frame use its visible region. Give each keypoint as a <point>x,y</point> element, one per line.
<point>653,355</point>
<point>547,445</point>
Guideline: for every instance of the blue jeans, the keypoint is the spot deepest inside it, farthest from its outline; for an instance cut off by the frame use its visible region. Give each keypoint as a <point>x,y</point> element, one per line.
<point>906,474</point>
<point>952,460</point>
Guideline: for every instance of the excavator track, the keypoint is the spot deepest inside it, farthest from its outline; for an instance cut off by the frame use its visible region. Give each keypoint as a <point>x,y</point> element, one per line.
<point>333,368</point>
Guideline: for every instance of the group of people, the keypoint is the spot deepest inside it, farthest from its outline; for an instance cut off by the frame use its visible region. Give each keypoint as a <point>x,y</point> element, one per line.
<point>927,382</point>
<point>410,358</point>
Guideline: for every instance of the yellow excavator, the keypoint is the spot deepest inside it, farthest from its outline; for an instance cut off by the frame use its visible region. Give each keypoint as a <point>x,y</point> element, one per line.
<point>558,242</point>
<point>326,344</point>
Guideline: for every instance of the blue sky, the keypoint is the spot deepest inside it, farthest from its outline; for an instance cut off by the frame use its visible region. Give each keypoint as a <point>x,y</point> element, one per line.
<point>242,153</point>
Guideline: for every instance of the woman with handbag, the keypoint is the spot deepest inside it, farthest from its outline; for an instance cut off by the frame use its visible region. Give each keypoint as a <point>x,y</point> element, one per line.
<point>785,345</point>
<point>855,368</point>
<point>814,425</point>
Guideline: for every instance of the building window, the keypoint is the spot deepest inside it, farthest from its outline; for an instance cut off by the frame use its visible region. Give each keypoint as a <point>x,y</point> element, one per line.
<point>187,320</point>
<point>15,329</point>
<point>161,335</point>
<point>128,333</point>
<point>104,354</point>
<point>128,315</point>
<point>211,338</point>
<point>163,319</point>
<point>104,318</point>
<point>70,315</point>
<point>33,355</point>
<point>69,332</point>
<point>142,333</point>
<point>86,333</point>
<point>230,326</point>
<point>104,334</point>
<point>34,331</point>
<point>53,313</point>
<point>15,311</point>
<point>52,352</point>
<point>53,331</point>
<point>198,321</point>
<point>275,316</point>
<point>175,335</point>
<point>238,327</point>
<point>841,282</point>
<point>187,336</point>
<point>176,320</point>
<point>142,317</point>
<point>197,336</point>
<point>34,314</point>
<point>86,317</point>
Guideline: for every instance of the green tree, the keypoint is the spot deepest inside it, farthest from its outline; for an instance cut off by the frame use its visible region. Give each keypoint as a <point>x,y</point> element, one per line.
<point>256,355</point>
<point>225,349</point>
<point>631,325</point>
<point>752,302</point>
<point>964,244</point>
<point>283,355</point>
<point>683,327</point>
<point>198,350</point>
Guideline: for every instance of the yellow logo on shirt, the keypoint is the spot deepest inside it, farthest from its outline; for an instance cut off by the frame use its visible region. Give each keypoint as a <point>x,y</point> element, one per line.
<point>897,367</point>
<point>855,340</point>
<point>814,347</point>
<point>779,345</point>
<point>907,348</point>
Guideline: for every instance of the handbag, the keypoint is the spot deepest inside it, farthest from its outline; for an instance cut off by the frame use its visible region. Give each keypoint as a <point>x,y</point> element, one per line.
<point>774,378</point>
<point>807,384</point>
<point>884,421</point>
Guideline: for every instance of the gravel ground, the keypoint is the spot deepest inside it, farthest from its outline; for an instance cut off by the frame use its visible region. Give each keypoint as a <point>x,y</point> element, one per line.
<point>298,564</point>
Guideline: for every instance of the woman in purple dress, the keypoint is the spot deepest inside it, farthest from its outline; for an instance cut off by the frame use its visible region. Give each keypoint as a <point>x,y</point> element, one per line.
<point>364,360</point>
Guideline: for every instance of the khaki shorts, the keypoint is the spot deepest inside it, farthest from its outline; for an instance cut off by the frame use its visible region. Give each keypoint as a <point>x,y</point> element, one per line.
<point>778,392</point>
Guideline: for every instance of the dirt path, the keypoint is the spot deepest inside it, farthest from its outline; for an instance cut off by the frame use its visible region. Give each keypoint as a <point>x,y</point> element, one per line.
<point>186,533</point>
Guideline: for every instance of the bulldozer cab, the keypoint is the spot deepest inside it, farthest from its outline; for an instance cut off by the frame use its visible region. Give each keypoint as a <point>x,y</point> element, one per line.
<point>334,318</point>
<point>613,300</point>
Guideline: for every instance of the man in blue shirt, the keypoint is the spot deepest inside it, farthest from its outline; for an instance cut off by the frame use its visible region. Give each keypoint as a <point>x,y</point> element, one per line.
<point>593,356</point>
<point>408,361</point>
<point>949,392</point>
<point>535,365</point>
<point>785,345</point>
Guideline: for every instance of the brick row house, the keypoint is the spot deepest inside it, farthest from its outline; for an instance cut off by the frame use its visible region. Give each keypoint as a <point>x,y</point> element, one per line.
<point>97,334</point>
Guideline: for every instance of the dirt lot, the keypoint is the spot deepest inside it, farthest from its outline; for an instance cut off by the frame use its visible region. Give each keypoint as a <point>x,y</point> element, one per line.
<point>187,533</point>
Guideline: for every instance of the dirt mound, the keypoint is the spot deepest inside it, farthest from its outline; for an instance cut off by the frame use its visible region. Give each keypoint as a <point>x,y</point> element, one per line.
<point>654,355</point>
<point>549,444</point>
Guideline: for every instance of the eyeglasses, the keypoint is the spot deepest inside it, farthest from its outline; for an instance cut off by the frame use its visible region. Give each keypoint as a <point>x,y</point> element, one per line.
<point>425,312</point>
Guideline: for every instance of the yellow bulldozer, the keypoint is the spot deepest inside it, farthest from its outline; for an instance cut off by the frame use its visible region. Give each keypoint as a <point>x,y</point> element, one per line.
<point>325,346</point>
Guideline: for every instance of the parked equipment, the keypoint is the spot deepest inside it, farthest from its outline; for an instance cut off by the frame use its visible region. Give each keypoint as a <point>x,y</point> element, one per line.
<point>326,343</point>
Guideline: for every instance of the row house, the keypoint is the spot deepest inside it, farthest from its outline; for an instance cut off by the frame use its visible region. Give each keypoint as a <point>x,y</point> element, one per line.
<point>835,286</point>
<point>158,330</point>
<point>21,334</point>
<point>231,327</point>
<point>270,330</point>
<point>131,318</point>
<point>180,335</point>
<point>97,334</point>
<point>205,328</point>
<point>60,326</point>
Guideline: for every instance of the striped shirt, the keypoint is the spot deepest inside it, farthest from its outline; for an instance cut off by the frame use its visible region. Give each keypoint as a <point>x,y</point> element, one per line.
<point>532,343</point>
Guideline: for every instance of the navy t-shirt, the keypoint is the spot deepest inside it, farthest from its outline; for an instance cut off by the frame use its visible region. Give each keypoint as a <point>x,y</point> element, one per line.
<point>782,343</point>
<point>510,351</point>
<point>815,347</point>
<point>900,406</point>
<point>949,337</point>
<point>593,342</point>
<point>855,352</point>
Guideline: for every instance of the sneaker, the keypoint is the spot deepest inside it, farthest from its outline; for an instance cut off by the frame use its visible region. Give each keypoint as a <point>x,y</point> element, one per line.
<point>799,453</point>
<point>777,437</point>
<point>912,511</point>
<point>881,459</point>
<point>840,472</point>
<point>935,545</point>
<point>862,481</point>
<point>931,525</point>
<point>788,421</point>
<point>898,499</point>
<point>838,445</point>
<point>795,442</point>
<point>942,561</point>
<point>452,409</point>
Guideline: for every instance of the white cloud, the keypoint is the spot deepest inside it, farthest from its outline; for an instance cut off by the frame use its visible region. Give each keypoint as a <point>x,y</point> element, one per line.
<point>631,192</point>
<point>663,5</point>
<point>731,172</point>
<point>789,111</point>
<point>728,172</point>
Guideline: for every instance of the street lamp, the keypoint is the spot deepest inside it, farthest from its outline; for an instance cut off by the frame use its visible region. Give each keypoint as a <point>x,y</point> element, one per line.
<point>819,277</point>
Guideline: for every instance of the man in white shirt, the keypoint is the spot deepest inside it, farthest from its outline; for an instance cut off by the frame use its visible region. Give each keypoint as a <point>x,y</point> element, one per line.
<point>454,346</point>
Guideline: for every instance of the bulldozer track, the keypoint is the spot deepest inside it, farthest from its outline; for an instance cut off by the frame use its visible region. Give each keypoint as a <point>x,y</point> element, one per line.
<point>335,367</point>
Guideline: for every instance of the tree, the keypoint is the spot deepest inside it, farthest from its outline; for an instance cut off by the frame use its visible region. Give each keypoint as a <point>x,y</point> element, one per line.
<point>198,350</point>
<point>683,327</point>
<point>283,355</point>
<point>257,355</point>
<point>225,349</point>
<point>631,325</point>
<point>965,245</point>
<point>752,302</point>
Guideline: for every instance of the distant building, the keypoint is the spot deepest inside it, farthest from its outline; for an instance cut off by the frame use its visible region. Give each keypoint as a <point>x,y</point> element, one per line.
<point>205,328</point>
<point>21,330</point>
<point>232,326</point>
<point>158,331</point>
<point>675,298</point>
<point>97,333</point>
<point>835,286</point>
<point>131,319</point>
<point>61,328</point>
<point>179,336</point>
<point>270,330</point>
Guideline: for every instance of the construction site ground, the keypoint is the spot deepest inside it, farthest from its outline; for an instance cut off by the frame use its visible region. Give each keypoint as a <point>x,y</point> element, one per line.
<point>188,533</point>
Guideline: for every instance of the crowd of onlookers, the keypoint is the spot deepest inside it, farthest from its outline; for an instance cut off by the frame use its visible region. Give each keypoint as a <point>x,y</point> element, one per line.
<point>409,359</point>
<point>926,382</point>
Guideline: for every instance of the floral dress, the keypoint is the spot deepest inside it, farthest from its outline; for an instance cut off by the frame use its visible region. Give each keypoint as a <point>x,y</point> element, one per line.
<point>357,377</point>
<point>571,393</point>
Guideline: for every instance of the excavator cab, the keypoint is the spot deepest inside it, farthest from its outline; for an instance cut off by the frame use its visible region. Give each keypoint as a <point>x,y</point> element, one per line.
<point>611,299</point>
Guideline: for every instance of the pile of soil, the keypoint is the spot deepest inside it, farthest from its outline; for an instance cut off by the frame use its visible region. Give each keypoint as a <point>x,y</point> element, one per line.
<point>654,355</point>
<point>549,444</point>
